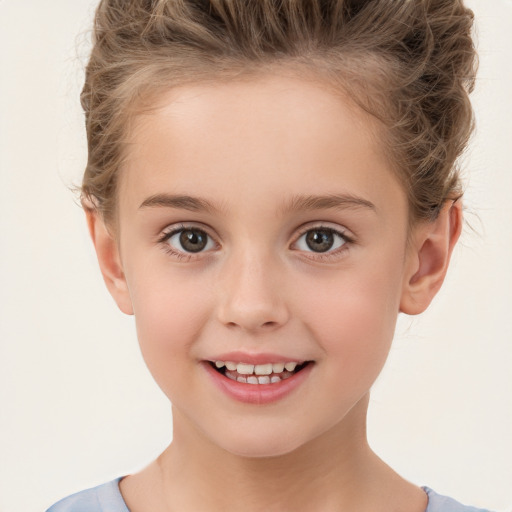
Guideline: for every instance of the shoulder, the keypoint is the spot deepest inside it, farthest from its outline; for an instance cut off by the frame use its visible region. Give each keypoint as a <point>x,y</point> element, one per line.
<point>438,503</point>
<point>103,498</point>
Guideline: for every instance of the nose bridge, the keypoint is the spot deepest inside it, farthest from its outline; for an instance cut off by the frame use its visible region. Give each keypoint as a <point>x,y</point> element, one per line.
<point>252,296</point>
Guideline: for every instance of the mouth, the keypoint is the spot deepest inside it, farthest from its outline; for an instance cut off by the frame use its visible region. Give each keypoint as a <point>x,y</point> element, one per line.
<point>259,374</point>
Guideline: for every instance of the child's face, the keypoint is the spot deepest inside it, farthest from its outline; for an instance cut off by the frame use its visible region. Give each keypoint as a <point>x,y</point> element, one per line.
<point>261,223</point>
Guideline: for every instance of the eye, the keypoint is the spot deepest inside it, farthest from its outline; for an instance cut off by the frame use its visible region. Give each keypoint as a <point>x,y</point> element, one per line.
<point>321,240</point>
<point>190,240</point>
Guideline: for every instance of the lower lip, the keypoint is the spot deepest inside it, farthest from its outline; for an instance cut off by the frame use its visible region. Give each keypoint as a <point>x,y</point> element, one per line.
<point>258,393</point>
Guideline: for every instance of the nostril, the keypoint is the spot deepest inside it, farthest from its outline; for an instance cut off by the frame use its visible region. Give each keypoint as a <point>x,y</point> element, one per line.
<point>252,326</point>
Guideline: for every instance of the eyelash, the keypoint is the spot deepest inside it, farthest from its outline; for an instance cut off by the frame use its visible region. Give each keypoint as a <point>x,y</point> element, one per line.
<point>168,233</point>
<point>317,256</point>
<point>329,254</point>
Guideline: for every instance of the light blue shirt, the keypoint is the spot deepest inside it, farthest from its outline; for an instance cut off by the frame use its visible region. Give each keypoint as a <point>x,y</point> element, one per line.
<point>107,498</point>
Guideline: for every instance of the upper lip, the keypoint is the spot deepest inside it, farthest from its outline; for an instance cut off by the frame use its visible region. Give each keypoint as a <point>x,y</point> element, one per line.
<point>263,358</point>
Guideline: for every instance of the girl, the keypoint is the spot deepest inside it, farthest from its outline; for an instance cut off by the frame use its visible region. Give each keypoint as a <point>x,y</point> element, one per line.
<point>269,185</point>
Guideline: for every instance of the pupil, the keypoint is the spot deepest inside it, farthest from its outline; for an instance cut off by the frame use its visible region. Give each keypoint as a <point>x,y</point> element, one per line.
<point>319,241</point>
<point>193,240</point>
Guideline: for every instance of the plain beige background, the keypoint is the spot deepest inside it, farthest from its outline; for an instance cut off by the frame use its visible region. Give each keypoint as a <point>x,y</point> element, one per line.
<point>77,405</point>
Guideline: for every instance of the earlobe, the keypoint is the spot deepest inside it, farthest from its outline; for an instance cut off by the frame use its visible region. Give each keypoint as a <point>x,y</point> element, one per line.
<point>429,257</point>
<point>109,260</point>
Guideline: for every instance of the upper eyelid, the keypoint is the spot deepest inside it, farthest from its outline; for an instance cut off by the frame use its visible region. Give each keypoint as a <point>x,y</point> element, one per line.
<point>340,234</point>
<point>172,229</point>
<point>330,255</point>
<point>341,230</point>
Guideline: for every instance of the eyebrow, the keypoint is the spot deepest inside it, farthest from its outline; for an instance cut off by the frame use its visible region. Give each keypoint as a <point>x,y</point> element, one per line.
<point>183,202</point>
<point>296,203</point>
<point>330,201</point>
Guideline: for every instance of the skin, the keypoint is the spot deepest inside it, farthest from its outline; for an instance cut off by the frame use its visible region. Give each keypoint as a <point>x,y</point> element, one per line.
<point>250,150</point>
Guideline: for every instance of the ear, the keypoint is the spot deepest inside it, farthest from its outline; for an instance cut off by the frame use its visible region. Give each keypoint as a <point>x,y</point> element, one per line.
<point>428,259</point>
<point>109,259</point>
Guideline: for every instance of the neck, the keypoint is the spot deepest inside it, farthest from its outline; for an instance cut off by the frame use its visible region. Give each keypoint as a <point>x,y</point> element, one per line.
<point>336,470</point>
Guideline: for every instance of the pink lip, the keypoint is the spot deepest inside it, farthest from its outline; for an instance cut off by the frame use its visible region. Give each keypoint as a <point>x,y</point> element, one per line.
<point>257,393</point>
<point>264,358</point>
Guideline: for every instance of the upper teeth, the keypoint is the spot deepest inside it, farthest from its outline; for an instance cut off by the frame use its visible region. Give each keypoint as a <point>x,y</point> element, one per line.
<point>258,369</point>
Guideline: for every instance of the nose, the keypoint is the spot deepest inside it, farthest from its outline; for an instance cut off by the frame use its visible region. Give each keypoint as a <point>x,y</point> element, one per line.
<point>252,294</point>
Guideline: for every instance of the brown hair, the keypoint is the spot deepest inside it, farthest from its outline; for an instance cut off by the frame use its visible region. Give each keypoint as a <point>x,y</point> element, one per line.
<point>410,63</point>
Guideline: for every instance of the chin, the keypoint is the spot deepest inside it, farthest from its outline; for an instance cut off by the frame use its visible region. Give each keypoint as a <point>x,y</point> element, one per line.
<point>255,445</point>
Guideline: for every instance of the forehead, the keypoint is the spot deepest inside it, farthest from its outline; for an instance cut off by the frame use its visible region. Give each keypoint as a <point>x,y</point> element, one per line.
<point>263,137</point>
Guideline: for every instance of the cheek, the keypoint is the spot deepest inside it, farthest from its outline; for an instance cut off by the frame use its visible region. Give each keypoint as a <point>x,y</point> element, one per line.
<point>169,314</point>
<point>353,317</point>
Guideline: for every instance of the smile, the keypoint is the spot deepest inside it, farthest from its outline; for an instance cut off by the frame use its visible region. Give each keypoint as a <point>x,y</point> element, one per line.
<point>258,374</point>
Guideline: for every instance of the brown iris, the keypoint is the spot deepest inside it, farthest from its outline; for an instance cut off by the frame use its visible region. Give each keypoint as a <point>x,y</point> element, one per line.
<point>193,240</point>
<point>320,240</point>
